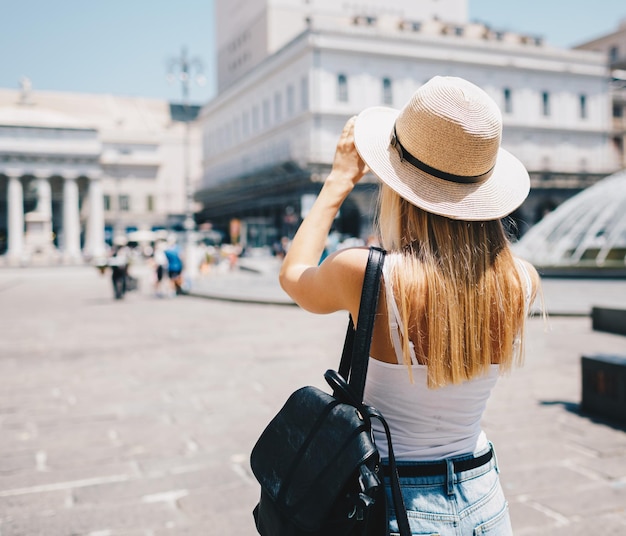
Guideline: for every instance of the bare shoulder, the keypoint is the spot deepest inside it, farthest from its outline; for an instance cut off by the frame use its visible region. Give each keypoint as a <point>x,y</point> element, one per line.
<point>349,261</point>
<point>334,285</point>
<point>348,267</point>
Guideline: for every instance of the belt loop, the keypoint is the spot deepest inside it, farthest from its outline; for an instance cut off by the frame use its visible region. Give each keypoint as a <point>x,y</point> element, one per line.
<point>495,458</point>
<point>450,477</point>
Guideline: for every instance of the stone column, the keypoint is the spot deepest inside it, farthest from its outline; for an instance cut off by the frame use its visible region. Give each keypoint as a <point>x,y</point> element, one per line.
<point>71,220</point>
<point>44,198</point>
<point>15,195</point>
<point>39,239</point>
<point>94,246</point>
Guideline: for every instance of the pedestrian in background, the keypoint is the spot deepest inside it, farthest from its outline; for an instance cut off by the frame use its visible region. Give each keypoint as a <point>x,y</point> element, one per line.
<point>174,267</point>
<point>159,260</point>
<point>118,262</point>
<point>454,299</point>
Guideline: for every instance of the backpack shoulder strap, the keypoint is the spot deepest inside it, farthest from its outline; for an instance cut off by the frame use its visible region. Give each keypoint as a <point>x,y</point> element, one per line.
<point>355,355</point>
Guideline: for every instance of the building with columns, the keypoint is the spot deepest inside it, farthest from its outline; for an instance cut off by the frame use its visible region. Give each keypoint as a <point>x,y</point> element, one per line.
<point>77,170</point>
<point>270,134</point>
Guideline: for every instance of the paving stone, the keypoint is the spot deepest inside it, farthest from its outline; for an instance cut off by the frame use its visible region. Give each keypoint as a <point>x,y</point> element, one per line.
<point>542,477</point>
<point>18,505</point>
<point>593,499</point>
<point>15,462</point>
<point>533,519</point>
<point>609,468</point>
<point>83,521</point>
<point>27,481</point>
<point>607,525</point>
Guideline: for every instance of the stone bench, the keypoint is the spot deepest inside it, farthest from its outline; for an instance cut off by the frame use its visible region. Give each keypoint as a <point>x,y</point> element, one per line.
<point>609,320</point>
<point>603,375</point>
<point>604,386</point>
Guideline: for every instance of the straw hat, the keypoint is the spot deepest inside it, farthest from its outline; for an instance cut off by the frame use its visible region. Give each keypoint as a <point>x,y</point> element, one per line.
<point>442,152</point>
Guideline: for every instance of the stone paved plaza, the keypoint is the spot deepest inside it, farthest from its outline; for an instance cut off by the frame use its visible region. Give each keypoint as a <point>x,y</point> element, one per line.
<point>137,417</point>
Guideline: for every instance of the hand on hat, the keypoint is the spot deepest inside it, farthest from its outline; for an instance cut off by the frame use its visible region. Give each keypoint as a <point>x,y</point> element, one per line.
<point>347,164</point>
<point>321,287</point>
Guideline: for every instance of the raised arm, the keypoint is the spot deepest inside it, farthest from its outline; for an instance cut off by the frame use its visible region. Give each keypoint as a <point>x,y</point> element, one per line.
<point>330,286</point>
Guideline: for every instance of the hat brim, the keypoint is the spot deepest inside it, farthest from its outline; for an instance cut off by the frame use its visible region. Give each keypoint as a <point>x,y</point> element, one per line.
<point>491,199</point>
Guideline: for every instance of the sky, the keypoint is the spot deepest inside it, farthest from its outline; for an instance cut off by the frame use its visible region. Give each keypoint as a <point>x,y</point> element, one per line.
<point>126,47</point>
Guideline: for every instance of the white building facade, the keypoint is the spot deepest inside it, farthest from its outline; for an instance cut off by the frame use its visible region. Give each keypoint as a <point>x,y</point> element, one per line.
<point>77,170</point>
<point>291,107</point>
<point>248,31</point>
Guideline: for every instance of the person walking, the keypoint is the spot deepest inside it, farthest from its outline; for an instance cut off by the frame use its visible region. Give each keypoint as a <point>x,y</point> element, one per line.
<point>119,270</point>
<point>159,259</point>
<point>453,300</point>
<point>174,267</point>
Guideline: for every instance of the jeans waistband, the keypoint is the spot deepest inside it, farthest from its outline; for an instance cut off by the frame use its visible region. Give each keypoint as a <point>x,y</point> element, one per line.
<point>448,471</point>
<point>419,469</point>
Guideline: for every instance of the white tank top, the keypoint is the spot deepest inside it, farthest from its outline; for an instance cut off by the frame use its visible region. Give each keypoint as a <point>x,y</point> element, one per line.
<point>427,424</point>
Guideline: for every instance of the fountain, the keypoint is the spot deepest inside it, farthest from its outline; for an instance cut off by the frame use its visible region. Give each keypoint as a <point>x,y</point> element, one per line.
<point>585,235</point>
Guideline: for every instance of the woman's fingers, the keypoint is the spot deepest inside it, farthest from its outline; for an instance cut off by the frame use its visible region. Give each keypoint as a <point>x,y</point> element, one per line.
<point>347,160</point>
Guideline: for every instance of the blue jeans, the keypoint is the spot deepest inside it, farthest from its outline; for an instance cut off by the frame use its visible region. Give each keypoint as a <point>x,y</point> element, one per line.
<point>467,503</point>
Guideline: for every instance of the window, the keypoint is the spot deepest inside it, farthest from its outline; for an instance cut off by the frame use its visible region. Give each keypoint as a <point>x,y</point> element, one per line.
<point>410,25</point>
<point>221,133</point>
<point>387,92</point>
<point>245,122</point>
<point>207,139</point>
<point>290,101</point>
<point>150,203</point>
<point>618,111</point>
<point>613,54</point>
<point>304,93</point>
<point>266,113</point>
<point>545,103</point>
<point>255,119</point>
<point>124,203</point>
<point>342,88</point>
<point>508,101</point>
<point>364,20</point>
<point>236,129</point>
<point>583,106</point>
<point>107,202</point>
<point>278,107</point>
<point>228,135</point>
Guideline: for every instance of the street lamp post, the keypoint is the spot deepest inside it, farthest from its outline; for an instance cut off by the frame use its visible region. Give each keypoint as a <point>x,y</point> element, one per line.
<point>187,70</point>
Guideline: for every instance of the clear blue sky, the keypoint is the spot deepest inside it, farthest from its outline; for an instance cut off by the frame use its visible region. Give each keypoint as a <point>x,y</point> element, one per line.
<point>123,46</point>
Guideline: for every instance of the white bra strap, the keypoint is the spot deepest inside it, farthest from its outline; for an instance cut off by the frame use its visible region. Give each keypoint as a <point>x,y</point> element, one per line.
<point>396,327</point>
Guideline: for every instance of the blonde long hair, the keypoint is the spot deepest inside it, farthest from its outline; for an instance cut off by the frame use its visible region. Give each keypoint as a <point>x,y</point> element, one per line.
<point>458,290</point>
